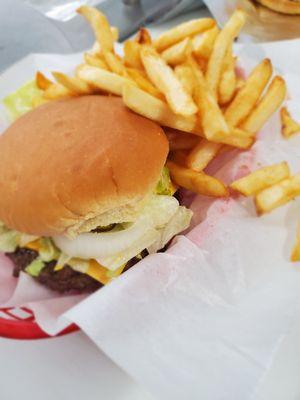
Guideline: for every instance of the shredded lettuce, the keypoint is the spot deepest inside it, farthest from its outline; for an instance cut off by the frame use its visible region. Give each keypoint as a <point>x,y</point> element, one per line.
<point>35,268</point>
<point>20,102</point>
<point>164,185</point>
<point>9,240</point>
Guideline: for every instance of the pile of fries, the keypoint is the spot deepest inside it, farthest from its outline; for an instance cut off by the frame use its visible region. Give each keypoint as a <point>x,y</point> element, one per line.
<point>187,81</point>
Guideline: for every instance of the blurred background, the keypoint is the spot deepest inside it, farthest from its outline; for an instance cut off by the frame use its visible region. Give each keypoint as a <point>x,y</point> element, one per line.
<point>52,26</point>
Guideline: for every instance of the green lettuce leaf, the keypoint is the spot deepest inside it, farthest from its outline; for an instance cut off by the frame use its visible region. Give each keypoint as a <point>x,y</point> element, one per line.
<point>9,240</point>
<point>35,267</point>
<point>20,102</point>
<point>164,185</point>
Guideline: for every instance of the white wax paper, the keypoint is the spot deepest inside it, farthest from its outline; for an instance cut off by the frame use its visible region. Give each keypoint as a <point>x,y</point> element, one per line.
<point>204,319</point>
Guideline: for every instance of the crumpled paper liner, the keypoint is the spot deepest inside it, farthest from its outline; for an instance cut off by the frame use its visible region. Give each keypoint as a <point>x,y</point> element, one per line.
<point>204,319</point>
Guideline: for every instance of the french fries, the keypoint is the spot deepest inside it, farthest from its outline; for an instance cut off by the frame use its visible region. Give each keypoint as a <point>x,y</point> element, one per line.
<point>203,44</point>
<point>185,75</point>
<point>150,107</point>
<point>143,36</point>
<point>223,41</point>
<point>100,26</point>
<point>106,81</point>
<point>227,85</point>
<point>42,81</point>
<point>289,127</point>
<point>57,91</point>
<point>201,155</point>
<point>261,179</point>
<point>295,256</point>
<point>73,84</point>
<point>163,77</point>
<point>95,61</point>
<point>179,140</point>
<point>197,182</point>
<point>249,94</point>
<point>268,104</point>
<point>277,195</point>
<point>177,53</point>
<point>114,63</point>
<point>182,31</point>
<point>143,82</point>
<point>132,54</point>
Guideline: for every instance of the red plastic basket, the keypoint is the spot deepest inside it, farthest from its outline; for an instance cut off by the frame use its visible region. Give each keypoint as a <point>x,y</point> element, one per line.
<point>19,323</point>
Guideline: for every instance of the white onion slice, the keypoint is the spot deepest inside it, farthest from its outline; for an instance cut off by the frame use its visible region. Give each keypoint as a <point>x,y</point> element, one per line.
<point>96,245</point>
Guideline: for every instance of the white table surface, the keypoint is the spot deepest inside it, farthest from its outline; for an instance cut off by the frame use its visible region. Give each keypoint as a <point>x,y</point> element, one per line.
<point>72,367</point>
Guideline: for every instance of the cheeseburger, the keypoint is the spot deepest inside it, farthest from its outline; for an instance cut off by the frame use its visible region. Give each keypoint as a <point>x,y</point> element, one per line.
<point>282,6</point>
<point>84,193</point>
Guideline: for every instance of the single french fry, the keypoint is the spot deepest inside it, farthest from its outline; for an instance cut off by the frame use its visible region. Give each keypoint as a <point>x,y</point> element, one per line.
<point>74,84</point>
<point>57,91</point>
<point>212,119</point>
<point>203,44</point>
<point>278,195</point>
<point>102,79</point>
<point>143,36</point>
<point>177,53</point>
<point>289,126</point>
<point>182,31</point>
<point>42,81</point>
<point>223,41</point>
<point>246,98</point>
<point>143,82</point>
<point>163,77</point>
<point>95,61</point>
<point>185,75</point>
<point>261,179</point>
<point>268,104</point>
<point>100,26</point>
<point>115,33</point>
<point>150,107</point>
<point>179,140</point>
<point>114,63</point>
<point>227,85</point>
<point>240,82</point>
<point>197,182</point>
<point>295,256</point>
<point>202,154</point>
<point>132,56</point>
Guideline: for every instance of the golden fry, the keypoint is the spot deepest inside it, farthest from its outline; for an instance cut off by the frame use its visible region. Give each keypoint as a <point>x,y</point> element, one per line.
<point>143,36</point>
<point>100,27</point>
<point>132,54</point>
<point>249,94</point>
<point>185,75</point>
<point>42,81</point>
<point>150,107</point>
<point>114,63</point>
<point>182,31</point>
<point>105,80</point>
<point>197,182</point>
<point>295,256</point>
<point>143,82</point>
<point>278,195</point>
<point>57,91</point>
<point>268,104</point>
<point>289,126</point>
<point>202,154</point>
<point>74,84</point>
<point>177,53</point>
<point>95,61</point>
<point>261,179</point>
<point>223,41</point>
<point>204,43</point>
<point>163,77</point>
<point>227,85</point>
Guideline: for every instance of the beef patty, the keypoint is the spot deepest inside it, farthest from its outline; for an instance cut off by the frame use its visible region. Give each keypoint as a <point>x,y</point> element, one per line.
<point>64,280</point>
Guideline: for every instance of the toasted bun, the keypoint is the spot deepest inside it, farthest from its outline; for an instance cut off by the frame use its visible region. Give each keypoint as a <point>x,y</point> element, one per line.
<point>282,6</point>
<point>71,165</point>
